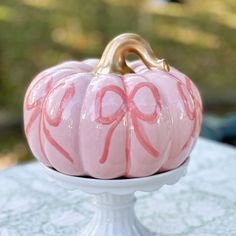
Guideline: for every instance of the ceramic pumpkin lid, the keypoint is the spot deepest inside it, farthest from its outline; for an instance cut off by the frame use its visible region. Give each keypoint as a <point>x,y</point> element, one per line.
<point>108,118</point>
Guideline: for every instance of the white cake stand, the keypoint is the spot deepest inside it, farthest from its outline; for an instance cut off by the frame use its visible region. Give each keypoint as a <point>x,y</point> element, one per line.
<point>114,200</point>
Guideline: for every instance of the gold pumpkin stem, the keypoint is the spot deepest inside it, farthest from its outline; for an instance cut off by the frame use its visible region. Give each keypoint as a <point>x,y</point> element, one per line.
<point>113,59</point>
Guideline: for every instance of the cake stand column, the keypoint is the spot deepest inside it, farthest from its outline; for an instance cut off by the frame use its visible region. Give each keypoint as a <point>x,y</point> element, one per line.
<point>114,216</point>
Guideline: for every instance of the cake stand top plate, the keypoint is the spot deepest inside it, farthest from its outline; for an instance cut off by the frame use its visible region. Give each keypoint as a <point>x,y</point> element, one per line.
<point>118,186</point>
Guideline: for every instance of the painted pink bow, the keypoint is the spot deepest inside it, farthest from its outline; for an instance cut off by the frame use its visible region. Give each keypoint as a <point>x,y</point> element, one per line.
<point>38,111</point>
<point>36,107</point>
<point>195,113</point>
<point>128,106</point>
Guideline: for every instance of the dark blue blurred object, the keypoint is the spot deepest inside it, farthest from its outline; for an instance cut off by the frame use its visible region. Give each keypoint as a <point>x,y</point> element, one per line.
<point>219,129</point>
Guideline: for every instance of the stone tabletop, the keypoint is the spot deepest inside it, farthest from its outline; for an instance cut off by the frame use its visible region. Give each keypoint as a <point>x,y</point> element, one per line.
<point>202,203</point>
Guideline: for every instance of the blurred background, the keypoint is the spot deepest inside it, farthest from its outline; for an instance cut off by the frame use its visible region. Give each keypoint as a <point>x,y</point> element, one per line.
<point>197,37</point>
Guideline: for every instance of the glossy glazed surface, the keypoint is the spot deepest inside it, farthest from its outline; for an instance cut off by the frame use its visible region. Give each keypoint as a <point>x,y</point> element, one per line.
<point>108,126</point>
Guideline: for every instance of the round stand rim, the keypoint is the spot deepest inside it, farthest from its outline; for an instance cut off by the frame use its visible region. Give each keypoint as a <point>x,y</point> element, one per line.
<point>118,186</point>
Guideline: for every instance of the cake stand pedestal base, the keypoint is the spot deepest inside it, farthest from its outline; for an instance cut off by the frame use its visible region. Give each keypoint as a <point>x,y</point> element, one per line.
<point>114,216</point>
<point>114,200</point>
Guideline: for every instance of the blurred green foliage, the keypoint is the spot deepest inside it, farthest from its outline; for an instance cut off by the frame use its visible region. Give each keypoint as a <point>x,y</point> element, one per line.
<point>197,37</point>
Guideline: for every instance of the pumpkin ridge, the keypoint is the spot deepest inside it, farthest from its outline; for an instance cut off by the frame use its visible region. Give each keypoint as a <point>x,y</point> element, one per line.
<point>127,133</point>
<point>78,134</point>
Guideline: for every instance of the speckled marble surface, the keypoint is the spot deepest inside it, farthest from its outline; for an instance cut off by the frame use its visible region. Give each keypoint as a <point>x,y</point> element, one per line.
<point>202,203</point>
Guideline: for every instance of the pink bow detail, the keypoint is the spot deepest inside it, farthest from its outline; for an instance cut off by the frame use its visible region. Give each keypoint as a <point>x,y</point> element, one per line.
<point>128,105</point>
<point>38,111</point>
<point>36,106</point>
<point>192,115</point>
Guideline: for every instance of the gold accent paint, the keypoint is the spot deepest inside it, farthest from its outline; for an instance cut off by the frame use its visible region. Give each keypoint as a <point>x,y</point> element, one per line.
<point>113,59</point>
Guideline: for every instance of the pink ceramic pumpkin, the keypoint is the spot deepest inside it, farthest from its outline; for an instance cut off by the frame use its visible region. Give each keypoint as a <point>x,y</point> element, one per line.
<point>107,119</point>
